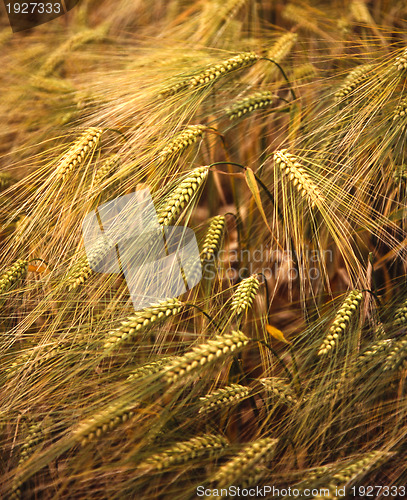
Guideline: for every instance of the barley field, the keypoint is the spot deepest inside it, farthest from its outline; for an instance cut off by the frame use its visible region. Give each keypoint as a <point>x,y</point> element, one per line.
<point>274,134</point>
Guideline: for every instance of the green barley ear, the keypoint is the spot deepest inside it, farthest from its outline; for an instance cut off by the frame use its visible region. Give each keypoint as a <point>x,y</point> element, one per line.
<point>245,468</point>
<point>354,80</point>
<point>78,152</point>
<point>141,320</point>
<point>279,389</point>
<point>213,238</point>
<point>341,322</point>
<point>245,293</point>
<point>397,357</point>
<point>291,167</point>
<point>203,355</point>
<point>181,142</point>
<point>251,103</point>
<point>6,180</point>
<point>212,74</point>
<point>401,61</point>
<point>13,274</point>
<point>104,421</point>
<point>182,195</point>
<point>208,445</point>
<point>223,398</point>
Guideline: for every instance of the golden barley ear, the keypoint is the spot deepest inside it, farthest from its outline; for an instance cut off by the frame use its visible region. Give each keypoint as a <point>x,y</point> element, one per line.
<point>187,137</point>
<point>245,468</point>
<point>141,320</point>
<point>223,398</point>
<point>213,238</point>
<point>292,169</point>
<point>78,152</point>
<point>203,355</point>
<point>172,206</point>
<point>208,445</point>
<point>259,100</point>
<point>16,272</point>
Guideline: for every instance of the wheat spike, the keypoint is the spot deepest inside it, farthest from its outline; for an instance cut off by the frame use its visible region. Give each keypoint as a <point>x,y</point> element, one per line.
<point>154,314</point>
<point>182,195</point>
<point>245,293</point>
<point>280,390</point>
<point>17,271</point>
<point>181,141</point>
<point>250,103</point>
<point>78,152</point>
<point>354,79</point>
<point>213,238</point>
<point>397,357</point>
<point>204,354</point>
<point>208,445</point>
<point>213,73</point>
<point>243,464</point>
<point>293,170</point>
<point>223,398</point>
<point>401,61</point>
<point>341,322</point>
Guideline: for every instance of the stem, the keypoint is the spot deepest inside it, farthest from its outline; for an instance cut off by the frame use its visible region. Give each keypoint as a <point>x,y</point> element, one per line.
<point>205,314</point>
<point>284,75</point>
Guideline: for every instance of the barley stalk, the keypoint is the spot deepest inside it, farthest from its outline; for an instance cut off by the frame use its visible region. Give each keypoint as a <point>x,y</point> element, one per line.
<point>293,170</point>
<point>250,103</point>
<point>213,73</point>
<point>241,466</point>
<point>208,445</point>
<point>204,354</point>
<point>182,195</point>
<point>78,152</point>
<point>213,238</point>
<point>223,398</point>
<point>280,390</point>
<point>154,314</point>
<point>341,321</point>
<point>181,141</point>
<point>245,293</point>
<point>13,274</point>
